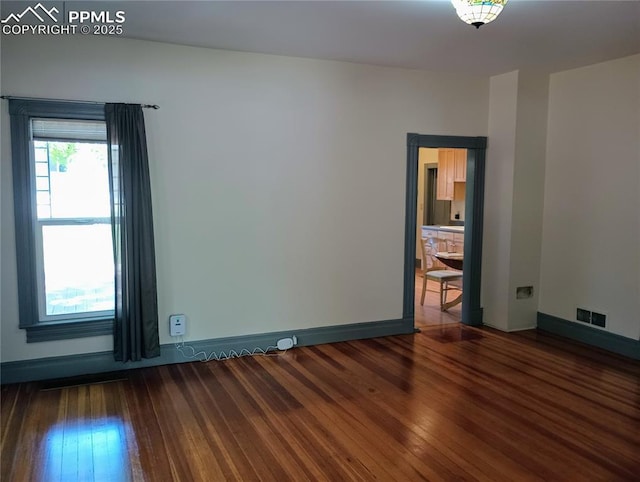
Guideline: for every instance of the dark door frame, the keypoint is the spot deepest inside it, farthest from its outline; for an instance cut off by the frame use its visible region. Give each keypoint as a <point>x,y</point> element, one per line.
<point>474,211</point>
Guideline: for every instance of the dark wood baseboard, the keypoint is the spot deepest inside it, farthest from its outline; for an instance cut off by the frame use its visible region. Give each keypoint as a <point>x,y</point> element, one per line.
<point>589,335</point>
<point>88,363</point>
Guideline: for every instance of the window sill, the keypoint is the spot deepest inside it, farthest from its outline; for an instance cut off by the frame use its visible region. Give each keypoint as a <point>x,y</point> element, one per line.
<point>66,330</point>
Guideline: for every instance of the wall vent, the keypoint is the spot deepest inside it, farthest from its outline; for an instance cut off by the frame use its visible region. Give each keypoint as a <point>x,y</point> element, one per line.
<point>583,315</point>
<point>598,319</point>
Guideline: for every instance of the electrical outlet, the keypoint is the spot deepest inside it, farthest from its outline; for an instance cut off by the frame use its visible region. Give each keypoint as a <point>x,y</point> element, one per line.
<point>598,319</point>
<point>583,315</point>
<point>177,325</point>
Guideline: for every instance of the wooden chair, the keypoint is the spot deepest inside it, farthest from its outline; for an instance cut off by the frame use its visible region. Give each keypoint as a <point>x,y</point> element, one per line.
<point>433,270</point>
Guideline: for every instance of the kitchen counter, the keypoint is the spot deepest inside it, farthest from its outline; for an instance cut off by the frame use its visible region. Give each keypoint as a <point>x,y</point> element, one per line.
<point>451,229</point>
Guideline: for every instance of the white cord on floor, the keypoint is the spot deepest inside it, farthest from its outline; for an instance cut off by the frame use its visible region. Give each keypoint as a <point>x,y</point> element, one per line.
<point>204,357</point>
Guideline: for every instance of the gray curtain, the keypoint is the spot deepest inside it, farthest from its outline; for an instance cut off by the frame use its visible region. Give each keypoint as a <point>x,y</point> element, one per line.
<point>135,333</point>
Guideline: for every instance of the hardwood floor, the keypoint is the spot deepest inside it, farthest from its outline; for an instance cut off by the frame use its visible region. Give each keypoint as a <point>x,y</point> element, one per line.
<point>449,403</point>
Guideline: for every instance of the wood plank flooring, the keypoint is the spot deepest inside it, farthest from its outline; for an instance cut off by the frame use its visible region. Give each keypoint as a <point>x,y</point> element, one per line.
<point>449,403</point>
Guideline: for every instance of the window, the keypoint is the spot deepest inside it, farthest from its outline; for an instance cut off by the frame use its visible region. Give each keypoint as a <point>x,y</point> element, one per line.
<point>74,250</point>
<point>63,219</point>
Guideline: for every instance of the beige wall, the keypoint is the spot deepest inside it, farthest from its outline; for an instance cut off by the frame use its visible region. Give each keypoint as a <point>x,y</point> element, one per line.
<point>278,183</point>
<point>457,207</point>
<point>498,200</point>
<point>514,198</point>
<point>528,198</point>
<point>591,232</point>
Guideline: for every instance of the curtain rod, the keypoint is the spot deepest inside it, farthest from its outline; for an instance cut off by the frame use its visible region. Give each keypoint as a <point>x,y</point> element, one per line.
<point>10,97</point>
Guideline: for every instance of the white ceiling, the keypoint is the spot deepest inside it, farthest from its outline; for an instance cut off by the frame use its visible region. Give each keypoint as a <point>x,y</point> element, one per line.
<point>539,34</point>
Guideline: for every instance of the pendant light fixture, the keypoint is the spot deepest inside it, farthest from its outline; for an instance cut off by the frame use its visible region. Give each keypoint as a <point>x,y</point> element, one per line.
<point>478,12</point>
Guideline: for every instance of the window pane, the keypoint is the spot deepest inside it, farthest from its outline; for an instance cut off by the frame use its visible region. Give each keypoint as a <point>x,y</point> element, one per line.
<point>41,169</point>
<point>44,211</point>
<point>42,183</point>
<point>43,198</point>
<point>41,151</point>
<point>78,180</point>
<point>79,268</point>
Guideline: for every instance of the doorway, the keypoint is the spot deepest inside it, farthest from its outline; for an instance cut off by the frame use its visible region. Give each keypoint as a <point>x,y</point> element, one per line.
<point>474,201</point>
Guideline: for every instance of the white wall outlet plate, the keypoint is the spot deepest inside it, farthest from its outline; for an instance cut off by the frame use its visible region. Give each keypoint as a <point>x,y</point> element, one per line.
<point>177,325</point>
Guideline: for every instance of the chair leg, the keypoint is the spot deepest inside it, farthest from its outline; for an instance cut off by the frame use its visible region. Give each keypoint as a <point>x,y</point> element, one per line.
<point>424,288</point>
<point>443,295</point>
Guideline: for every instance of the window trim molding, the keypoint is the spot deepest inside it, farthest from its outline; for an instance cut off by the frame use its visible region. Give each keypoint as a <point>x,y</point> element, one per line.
<point>21,112</point>
<point>56,109</point>
<point>64,330</point>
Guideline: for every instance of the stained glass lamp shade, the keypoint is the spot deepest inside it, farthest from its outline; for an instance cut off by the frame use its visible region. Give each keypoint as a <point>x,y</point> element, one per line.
<point>478,12</point>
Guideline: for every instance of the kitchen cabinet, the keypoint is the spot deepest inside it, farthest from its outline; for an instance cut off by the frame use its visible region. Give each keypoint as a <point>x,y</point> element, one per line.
<point>460,165</point>
<point>455,241</point>
<point>453,234</point>
<point>446,173</point>
<point>430,232</point>
<point>452,170</point>
<point>458,242</point>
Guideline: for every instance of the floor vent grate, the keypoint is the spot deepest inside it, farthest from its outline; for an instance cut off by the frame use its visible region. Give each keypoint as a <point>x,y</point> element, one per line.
<point>93,379</point>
